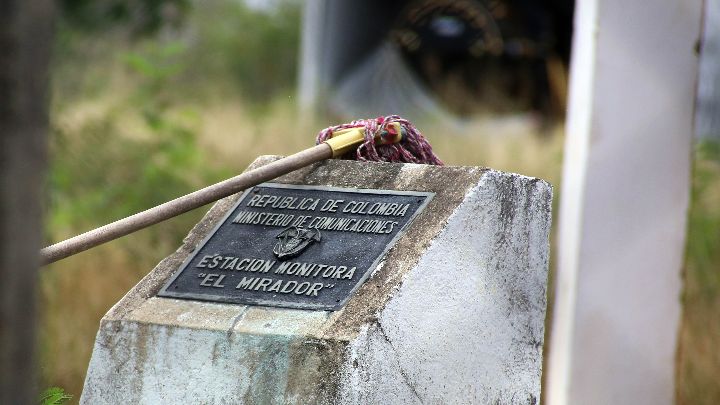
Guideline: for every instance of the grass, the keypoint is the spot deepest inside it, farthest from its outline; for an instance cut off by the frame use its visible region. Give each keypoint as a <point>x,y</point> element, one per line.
<point>698,368</point>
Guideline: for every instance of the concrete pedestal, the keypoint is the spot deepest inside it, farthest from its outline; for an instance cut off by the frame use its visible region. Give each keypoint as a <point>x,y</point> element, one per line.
<point>454,312</point>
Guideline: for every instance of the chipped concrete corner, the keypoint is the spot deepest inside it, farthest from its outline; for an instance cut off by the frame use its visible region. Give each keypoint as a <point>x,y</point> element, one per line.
<point>454,313</point>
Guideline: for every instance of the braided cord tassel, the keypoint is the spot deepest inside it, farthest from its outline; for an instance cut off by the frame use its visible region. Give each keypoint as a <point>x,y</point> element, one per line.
<point>413,148</point>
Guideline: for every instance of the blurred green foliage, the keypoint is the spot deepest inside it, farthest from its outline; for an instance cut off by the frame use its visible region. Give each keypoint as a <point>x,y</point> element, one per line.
<point>100,173</point>
<point>703,245</point>
<point>139,17</point>
<point>54,396</point>
<point>698,357</point>
<point>257,50</point>
<point>141,149</point>
<point>228,46</point>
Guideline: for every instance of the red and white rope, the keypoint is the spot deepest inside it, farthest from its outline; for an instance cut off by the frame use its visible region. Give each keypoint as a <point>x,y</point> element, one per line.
<point>413,148</point>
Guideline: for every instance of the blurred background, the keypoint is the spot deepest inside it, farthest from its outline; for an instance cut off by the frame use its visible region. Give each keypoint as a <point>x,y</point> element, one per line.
<point>151,99</point>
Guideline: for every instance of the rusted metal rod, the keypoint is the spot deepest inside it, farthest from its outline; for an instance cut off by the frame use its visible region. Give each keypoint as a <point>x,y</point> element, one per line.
<point>187,202</point>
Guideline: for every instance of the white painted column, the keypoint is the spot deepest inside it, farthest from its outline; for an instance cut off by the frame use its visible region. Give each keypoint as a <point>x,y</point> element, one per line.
<point>311,50</point>
<point>624,202</point>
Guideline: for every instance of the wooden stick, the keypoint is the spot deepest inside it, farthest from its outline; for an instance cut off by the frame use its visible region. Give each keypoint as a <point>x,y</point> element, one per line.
<point>186,203</point>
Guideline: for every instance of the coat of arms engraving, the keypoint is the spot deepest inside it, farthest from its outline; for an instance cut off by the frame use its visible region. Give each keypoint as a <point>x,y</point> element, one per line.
<point>294,240</point>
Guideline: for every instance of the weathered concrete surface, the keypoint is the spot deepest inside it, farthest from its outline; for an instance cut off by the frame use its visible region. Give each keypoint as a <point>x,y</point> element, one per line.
<point>466,325</point>
<point>454,313</point>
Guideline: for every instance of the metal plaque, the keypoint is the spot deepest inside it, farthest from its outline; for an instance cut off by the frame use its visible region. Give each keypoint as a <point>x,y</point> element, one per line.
<point>292,246</point>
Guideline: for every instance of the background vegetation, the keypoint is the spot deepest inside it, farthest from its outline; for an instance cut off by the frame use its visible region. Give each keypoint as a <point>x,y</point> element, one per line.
<point>153,99</point>
<point>698,369</point>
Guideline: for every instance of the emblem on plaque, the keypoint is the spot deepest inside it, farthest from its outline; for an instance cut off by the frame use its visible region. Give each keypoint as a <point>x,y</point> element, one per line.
<point>293,240</point>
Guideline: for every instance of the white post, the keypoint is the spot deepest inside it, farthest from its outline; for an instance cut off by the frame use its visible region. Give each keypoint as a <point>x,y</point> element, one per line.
<point>624,202</point>
<point>311,49</point>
